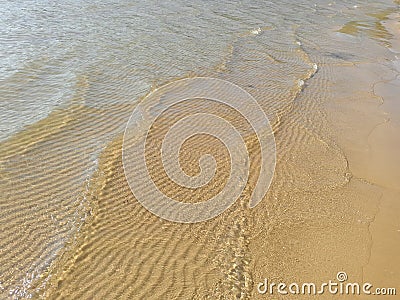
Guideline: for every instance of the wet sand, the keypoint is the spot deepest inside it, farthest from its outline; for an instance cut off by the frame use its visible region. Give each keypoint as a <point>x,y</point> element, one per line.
<point>357,227</point>
<point>378,163</point>
<point>334,204</point>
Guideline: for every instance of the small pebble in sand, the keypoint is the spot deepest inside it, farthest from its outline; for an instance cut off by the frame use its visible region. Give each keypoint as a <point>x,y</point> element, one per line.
<point>315,67</point>
<point>298,43</point>
<point>300,82</point>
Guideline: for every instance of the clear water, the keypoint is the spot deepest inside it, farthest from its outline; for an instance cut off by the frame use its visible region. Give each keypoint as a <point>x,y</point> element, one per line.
<point>72,71</point>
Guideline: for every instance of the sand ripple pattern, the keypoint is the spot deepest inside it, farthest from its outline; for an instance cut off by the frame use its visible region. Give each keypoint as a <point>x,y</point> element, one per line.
<point>148,111</point>
<point>68,234</point>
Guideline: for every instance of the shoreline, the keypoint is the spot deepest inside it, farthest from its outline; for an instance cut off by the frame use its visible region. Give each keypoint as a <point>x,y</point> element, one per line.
<point>384,140</point>
<point>333,205</point>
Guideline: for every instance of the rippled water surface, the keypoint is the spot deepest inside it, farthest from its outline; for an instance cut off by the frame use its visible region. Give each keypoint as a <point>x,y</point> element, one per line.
<point>71,72</point>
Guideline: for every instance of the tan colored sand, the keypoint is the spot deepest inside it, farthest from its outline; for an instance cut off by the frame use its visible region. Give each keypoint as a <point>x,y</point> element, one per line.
<point>333,205</point>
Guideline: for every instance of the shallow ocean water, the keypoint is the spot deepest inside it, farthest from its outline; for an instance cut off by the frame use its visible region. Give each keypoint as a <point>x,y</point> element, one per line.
<point>71,74</point>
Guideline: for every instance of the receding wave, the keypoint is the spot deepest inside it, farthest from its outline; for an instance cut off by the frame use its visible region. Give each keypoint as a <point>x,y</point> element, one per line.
<point>81,233</point>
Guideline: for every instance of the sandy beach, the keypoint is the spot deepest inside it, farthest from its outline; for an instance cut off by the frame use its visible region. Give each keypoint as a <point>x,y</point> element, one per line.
<point>71,227</point>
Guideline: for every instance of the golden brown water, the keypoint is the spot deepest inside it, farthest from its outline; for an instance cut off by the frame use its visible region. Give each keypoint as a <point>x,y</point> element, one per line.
<point>333,204</point>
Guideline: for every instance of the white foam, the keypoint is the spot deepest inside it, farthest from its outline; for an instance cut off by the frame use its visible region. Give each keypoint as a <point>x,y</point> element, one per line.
<point>256,31</point>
